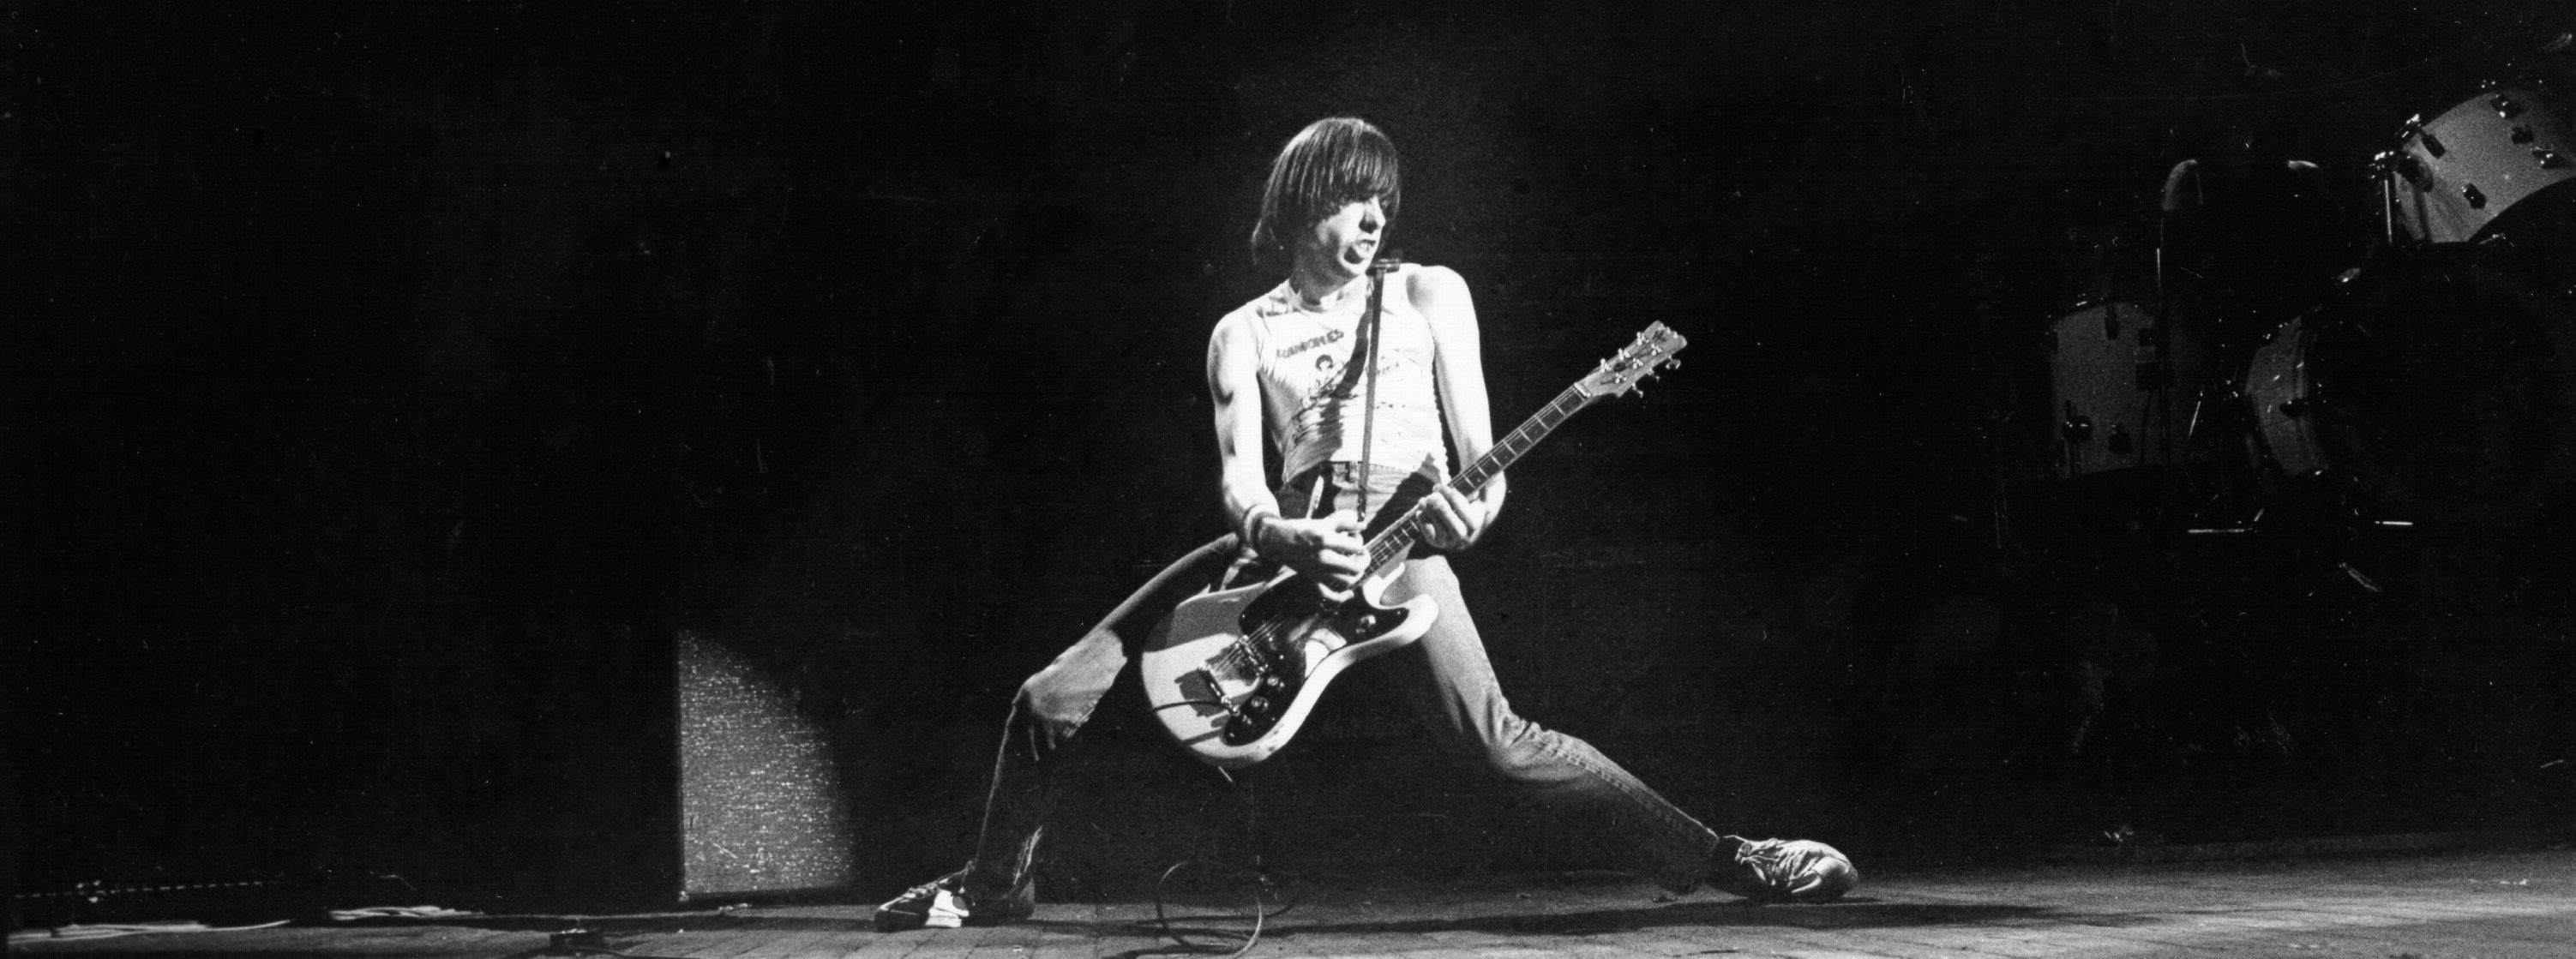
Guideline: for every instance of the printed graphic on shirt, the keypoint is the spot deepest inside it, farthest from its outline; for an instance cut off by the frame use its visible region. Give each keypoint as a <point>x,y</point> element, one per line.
<point>1314,390</point>
<point>1330,336</point>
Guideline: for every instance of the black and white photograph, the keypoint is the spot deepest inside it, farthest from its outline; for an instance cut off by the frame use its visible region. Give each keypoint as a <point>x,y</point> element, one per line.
<point>681,479</point>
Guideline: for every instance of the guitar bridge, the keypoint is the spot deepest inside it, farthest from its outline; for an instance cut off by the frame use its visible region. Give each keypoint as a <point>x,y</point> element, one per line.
<point>1199,689</point>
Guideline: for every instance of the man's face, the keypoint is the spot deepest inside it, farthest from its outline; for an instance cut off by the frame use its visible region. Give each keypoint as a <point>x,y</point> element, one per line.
<point>1345,240</point>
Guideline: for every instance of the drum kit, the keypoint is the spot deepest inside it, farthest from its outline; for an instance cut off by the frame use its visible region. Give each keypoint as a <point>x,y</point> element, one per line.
<point>2432,384</point>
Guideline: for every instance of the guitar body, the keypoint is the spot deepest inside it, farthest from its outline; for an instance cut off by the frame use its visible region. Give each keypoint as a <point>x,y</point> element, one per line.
<point>1234,673</point>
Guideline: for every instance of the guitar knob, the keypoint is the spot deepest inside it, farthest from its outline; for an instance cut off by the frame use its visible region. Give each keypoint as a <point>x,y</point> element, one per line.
<point>1257,705</point>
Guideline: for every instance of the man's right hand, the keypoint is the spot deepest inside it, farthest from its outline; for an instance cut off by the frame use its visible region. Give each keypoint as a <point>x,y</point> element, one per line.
<point>1328,550</point>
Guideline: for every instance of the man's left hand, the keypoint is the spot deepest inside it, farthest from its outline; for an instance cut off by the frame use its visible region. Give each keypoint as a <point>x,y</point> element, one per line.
<point>1457,520</point>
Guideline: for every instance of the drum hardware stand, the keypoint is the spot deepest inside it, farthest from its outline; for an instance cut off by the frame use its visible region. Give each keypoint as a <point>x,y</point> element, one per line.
<point>2350,524</point>
<point>2384,165</point>
<point>2227,397</point>
<point>2356,525</point>
<point>2156,374</point>
<point>2390,166</point>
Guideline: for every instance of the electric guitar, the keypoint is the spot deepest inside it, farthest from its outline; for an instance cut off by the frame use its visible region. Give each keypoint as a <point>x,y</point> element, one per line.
<point>1233,673</point>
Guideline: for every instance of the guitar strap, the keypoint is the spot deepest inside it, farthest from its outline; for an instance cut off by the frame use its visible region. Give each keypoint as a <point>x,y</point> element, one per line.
<point>1363,353</point>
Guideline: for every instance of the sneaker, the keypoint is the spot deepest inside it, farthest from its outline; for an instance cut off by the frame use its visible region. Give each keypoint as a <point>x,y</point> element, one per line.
<point>942,903</point>
<point>1782,870</point>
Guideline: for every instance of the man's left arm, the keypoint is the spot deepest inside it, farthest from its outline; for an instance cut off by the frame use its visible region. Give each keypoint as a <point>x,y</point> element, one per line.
<point>1458,365</point>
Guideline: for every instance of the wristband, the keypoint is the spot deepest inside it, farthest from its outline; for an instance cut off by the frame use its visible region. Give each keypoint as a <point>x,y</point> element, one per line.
<point>1252,526</point>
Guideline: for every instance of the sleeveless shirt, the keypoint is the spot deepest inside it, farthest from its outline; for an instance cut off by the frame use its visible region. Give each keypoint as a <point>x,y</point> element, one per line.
<point>1314,400</point>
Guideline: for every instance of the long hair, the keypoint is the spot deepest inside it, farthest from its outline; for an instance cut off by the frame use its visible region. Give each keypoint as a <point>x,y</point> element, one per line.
<point>1333,161</point>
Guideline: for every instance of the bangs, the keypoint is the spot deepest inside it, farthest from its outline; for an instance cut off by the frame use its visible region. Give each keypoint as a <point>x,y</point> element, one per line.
<point>1331,162</point>
<point>1345,163</point>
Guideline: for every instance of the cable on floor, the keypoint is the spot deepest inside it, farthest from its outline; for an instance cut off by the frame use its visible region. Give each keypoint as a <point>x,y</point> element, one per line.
<point>1261,911</point>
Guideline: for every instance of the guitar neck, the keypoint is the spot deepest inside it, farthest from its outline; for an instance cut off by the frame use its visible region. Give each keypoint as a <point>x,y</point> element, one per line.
<point>1398,539</point>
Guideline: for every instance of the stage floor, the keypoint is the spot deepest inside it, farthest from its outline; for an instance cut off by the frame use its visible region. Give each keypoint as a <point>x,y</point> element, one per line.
<point>2427,906</point>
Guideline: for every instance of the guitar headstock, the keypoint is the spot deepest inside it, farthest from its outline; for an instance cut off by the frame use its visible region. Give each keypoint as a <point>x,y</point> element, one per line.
<point>1650,354</point>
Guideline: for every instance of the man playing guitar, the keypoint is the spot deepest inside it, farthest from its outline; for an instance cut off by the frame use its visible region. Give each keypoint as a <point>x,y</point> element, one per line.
<point>1282,368</point>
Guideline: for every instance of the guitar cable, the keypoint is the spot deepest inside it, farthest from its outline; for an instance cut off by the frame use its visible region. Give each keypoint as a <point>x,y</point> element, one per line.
<point>1261,911</point>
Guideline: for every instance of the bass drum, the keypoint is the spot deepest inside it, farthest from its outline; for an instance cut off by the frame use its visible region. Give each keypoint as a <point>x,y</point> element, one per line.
<point>2432,385</point>
<point>2124,386</point>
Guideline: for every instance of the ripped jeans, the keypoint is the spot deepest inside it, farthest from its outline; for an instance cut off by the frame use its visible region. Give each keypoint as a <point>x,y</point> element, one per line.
<point>1446,677</point>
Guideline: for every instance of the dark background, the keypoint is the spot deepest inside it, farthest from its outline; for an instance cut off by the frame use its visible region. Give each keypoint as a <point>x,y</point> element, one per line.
<point>389,384</point>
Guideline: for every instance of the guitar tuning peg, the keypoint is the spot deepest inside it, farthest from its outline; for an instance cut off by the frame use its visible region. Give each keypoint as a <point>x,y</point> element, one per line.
<point>1673,364</point>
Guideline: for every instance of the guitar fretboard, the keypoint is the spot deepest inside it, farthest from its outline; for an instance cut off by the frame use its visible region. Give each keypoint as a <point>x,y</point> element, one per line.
<point>1398,540</point>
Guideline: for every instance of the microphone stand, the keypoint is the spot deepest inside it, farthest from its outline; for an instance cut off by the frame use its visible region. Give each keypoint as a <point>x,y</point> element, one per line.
<point>1366,352</point>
